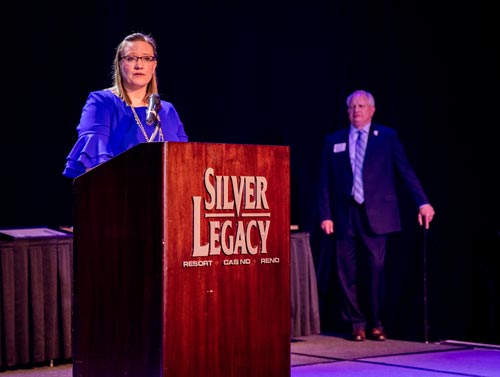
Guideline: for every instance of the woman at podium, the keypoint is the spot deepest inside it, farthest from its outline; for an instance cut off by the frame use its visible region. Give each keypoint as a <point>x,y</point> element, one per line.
<point>126,114</point>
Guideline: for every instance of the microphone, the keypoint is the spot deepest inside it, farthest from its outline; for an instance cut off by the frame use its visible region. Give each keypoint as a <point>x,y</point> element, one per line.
<point>154,105</point>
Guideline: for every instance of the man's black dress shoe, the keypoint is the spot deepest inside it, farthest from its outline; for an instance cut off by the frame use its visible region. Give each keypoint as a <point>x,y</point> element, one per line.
<point>378,334</point>
<point>358,335</point>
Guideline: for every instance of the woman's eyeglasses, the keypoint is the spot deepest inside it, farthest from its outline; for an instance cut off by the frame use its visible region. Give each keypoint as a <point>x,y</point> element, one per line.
<point>134,59</point>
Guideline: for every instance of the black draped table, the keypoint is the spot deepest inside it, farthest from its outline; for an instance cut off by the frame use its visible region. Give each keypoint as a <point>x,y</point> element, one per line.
<point>35,298</point>
<point>303,287</point>
<point>36,278</point>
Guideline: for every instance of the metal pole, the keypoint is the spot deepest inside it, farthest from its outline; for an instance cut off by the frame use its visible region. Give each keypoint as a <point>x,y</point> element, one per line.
<point>426,326</point>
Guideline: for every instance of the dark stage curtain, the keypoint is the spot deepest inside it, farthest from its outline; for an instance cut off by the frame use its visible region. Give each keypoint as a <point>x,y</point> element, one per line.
<point>279,73</point>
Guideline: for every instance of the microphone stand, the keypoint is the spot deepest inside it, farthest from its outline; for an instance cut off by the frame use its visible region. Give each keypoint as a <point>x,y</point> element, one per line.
<point>157,127</point>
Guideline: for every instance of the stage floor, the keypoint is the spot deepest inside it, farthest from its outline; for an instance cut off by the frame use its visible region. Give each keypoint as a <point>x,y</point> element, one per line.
<point>334,355</point>
<point>330,355</point>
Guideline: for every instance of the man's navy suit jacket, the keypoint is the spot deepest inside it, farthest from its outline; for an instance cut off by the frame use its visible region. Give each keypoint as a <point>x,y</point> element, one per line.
<point>385,160</point>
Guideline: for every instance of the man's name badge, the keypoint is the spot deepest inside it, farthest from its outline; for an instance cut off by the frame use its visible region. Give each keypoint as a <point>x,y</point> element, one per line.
<point>339,147</point>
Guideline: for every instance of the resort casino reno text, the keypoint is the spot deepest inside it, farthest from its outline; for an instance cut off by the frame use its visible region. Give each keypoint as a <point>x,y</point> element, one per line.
<point>236,214</point>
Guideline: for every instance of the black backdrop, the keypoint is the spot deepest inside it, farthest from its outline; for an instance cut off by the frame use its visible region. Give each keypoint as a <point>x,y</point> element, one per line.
<point>278,73</point>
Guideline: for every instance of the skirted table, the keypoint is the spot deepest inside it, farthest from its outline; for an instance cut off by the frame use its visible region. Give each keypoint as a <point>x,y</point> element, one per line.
<point>35,299</point>
<point>304,301</point>
<point>36,278</point>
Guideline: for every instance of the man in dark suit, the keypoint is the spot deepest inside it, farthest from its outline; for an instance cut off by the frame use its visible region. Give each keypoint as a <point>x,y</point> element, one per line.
<point>362,216</point>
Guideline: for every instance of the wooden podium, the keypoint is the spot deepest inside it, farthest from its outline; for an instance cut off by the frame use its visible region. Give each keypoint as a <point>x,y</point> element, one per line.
<point>182,262</point>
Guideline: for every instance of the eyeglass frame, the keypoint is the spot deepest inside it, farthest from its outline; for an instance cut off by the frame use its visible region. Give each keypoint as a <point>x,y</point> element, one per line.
<point>135,59</point>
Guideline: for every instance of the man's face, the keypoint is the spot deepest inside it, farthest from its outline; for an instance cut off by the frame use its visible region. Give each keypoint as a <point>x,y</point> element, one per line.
<point>360,112</point>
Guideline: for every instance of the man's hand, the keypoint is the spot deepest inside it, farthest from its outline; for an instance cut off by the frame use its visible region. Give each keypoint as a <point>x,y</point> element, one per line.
<point>327,226</point>
<point>425,215</point>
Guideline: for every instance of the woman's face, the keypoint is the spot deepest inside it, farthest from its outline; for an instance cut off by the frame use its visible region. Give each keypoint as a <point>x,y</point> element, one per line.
<point>137,64</point>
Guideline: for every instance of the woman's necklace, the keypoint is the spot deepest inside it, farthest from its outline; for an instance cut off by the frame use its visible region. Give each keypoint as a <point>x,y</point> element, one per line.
<point>157,128</point>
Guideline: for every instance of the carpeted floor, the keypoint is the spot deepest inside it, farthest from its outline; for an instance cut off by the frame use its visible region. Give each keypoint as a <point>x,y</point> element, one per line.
<point>63,370</point>
<point>331,355</point>
<point>321,348</point>
<point>334,355</point>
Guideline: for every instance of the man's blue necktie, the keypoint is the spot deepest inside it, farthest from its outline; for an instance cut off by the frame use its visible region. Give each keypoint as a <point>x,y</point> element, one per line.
<point>358,167</point>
